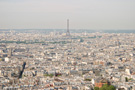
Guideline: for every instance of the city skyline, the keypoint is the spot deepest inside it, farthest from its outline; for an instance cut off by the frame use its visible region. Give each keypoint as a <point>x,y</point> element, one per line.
<point>83,14</point>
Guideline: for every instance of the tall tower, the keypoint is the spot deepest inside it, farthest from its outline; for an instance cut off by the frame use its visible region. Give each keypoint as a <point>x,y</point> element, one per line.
<point>10,52</point>
<point>67,33</point>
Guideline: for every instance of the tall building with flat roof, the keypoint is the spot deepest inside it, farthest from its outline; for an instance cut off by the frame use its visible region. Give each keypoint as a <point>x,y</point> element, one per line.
<point>10,52</point>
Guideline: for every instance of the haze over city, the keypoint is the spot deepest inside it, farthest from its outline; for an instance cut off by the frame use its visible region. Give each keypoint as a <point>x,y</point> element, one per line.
<point>67,44</point>
<point>52,14</point>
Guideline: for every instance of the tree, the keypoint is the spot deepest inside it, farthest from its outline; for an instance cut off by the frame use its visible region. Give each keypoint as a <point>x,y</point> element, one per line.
<point>104,87</point>
<point>107,87</point>
<point>111,87</point>
<point>126,79</point>
<point>87,79</point>
<point>96,88</point>
<point>81,40</point>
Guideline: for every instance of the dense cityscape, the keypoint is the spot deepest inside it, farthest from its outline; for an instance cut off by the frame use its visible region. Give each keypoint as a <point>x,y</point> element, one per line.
<point>67,44</point>
<point>55,60</point>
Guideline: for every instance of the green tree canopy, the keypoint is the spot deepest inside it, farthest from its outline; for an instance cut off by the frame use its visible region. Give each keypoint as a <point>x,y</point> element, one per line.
<point>96,88</point>
<point>105,87</point>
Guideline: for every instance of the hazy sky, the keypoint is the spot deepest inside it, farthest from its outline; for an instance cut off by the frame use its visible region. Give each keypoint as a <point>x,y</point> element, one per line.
<point>83,14</point>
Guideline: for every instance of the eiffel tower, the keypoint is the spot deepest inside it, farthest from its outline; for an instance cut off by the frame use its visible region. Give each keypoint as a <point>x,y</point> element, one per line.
<point>67,33</point>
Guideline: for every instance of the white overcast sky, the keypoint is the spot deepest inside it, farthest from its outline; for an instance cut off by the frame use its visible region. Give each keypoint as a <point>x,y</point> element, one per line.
<point>52,14</point>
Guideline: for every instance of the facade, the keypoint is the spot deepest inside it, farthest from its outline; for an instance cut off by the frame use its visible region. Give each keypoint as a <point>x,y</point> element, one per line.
<point>100,82</point>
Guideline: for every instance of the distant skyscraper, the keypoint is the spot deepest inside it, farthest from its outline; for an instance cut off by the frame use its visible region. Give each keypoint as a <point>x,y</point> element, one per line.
<point>10,52</point>
<point>67,33</point>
